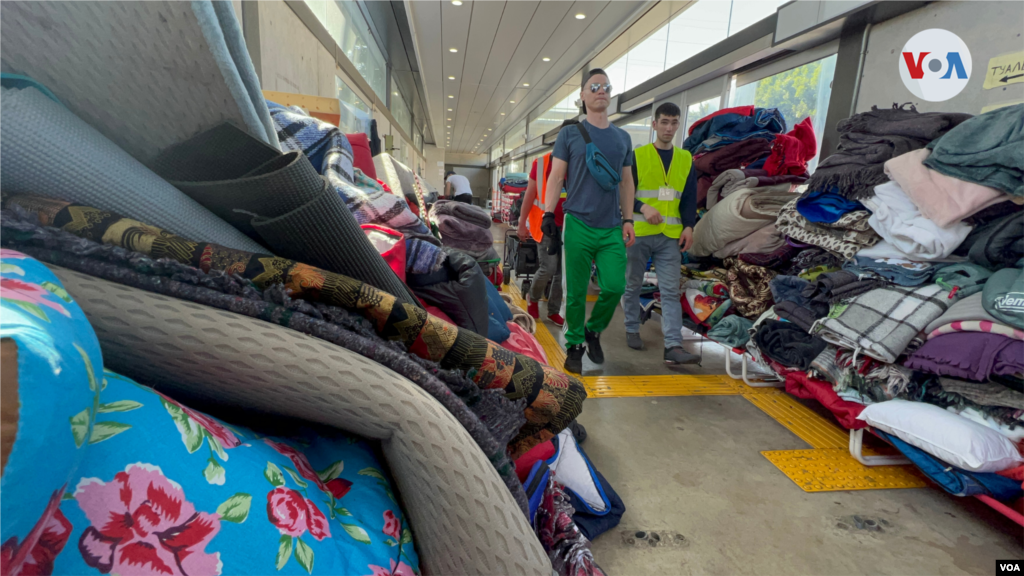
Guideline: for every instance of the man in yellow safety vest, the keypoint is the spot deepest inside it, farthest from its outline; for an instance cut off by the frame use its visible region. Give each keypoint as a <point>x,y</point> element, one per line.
<point>665,210</point>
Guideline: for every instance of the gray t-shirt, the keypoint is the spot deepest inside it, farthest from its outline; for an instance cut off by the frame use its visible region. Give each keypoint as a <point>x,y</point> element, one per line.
<point>585,199</point>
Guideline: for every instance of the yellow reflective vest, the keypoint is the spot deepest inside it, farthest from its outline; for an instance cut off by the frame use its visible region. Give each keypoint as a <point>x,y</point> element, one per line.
<point>651,178</point>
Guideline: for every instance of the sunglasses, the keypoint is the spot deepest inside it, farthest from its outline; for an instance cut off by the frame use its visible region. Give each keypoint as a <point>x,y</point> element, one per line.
<point>597,86</point>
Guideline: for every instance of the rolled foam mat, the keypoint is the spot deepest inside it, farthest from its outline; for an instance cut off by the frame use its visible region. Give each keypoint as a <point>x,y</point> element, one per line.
<point>280,201</point>
<point>46,150</point>
<point>147,75</point>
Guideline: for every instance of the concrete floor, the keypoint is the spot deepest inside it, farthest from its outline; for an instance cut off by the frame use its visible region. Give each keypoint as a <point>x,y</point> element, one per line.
<point>691,466</point>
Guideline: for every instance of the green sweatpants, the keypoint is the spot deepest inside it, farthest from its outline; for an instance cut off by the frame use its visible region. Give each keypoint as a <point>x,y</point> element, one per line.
<point>583,245</point>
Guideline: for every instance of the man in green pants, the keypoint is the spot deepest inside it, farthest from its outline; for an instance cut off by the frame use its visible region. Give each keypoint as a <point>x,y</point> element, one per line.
<point>598,217</point>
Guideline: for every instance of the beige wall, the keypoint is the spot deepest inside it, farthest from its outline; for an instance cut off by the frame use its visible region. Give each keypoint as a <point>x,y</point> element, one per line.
<point>293,60</point>
<point>432,172</point>
<point>466,159</point>
<point>997,32</point>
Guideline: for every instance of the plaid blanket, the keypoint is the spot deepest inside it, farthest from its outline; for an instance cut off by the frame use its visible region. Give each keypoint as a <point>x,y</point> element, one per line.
<point>882,322</point>
<point>330,152</point>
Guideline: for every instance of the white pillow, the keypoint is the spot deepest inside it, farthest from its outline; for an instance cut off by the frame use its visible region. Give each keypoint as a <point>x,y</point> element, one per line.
<point>947,436</point>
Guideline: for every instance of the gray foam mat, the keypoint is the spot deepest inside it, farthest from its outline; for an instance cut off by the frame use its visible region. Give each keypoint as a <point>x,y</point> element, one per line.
<point>145,74</point>
<point>45,150</point>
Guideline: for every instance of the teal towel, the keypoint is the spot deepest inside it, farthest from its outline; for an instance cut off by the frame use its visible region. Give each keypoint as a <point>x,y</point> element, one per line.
<point>987,150</point>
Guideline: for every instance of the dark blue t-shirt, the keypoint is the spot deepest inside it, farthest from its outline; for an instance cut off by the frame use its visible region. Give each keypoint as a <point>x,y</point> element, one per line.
<point>585,199</point>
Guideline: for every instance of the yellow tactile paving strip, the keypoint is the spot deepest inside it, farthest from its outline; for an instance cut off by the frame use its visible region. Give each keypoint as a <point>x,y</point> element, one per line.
<point>660,385</point>
<point>801,420</point>
<point>833,469</point>
<point>825,468</point>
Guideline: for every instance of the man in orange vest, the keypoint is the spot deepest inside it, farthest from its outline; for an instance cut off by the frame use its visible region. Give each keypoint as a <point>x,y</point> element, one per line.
<point>550,269</point>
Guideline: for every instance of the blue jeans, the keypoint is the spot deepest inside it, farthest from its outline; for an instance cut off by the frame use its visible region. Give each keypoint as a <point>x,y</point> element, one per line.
<point>667,259</point>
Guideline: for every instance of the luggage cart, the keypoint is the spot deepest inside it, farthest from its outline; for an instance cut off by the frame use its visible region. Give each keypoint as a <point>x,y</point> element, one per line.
<point>520,258</point>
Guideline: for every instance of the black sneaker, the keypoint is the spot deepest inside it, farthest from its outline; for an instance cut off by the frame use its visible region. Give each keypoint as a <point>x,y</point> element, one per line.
<point>594,351</point>
<point>574,359</point>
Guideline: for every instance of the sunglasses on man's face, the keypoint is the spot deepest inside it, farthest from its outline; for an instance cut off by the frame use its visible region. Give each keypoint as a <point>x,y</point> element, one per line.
<point>597,86</point>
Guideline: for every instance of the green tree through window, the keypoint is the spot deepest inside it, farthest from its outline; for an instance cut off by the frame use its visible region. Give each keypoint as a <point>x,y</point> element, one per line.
<point>794,92</point>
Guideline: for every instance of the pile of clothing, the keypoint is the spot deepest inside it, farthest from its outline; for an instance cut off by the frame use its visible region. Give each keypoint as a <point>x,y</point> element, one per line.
<point>749,144</point>
<point>297,232</point>
<point>896,278</point>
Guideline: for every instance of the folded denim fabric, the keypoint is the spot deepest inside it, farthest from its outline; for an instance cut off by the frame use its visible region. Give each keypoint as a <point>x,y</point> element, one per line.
<point>902,272</point>
<point>789,288</point>
<point>726,129</point>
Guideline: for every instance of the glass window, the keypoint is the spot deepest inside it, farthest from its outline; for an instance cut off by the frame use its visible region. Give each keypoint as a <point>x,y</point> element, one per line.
<point>746,12</point>
<point>348,95</point>
<point>515,166</point>
<point>516,137</point>
<point>616,76</point>
<point>639,131</point>
<point>417,141</point>
<point>555,116</point>
<point>497,152</point>
<point>646,59</point>
<point>802,92</point>
<point>348,28</point>
<point>699,110</point>
<point>695,29</point>
<point>700,26</point>
<point>400,110</point>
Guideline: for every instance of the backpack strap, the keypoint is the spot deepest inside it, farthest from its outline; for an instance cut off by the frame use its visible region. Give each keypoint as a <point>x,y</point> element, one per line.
<point>583,132</point>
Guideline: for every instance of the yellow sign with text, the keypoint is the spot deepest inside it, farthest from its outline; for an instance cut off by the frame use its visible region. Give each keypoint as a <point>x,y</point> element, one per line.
<point>1004,70</point>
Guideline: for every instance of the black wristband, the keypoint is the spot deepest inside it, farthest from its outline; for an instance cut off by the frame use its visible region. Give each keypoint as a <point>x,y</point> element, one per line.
<point>547,213</point>
<point>624,220</point>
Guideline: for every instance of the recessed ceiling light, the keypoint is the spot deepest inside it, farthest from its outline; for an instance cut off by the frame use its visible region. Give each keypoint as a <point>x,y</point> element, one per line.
<point>546,59</point>
<point>451,77</point>
<point>525,84</point>
<point>456,2</point>
<point>581,16</point>
<point>511,101</point>
<point>449,119</point>
<point>448,126</point>
<point>395,93</point>
<point>502,113</point>
<point>450,96</point>
<point>489,129</point>
<point>453,50</point>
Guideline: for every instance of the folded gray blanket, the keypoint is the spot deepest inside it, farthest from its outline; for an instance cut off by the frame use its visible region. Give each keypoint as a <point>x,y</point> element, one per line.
<point>462,211</point>
<point>459,234</point>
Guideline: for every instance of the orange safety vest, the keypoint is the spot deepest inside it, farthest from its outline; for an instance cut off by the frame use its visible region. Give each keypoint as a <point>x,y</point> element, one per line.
<point>537,210</point>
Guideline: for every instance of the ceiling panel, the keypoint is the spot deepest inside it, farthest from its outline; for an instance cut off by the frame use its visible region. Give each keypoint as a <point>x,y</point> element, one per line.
<point>500,46</point>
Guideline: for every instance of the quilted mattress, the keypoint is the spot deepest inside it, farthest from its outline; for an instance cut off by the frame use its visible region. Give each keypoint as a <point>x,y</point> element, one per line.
<point>463,518</point>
